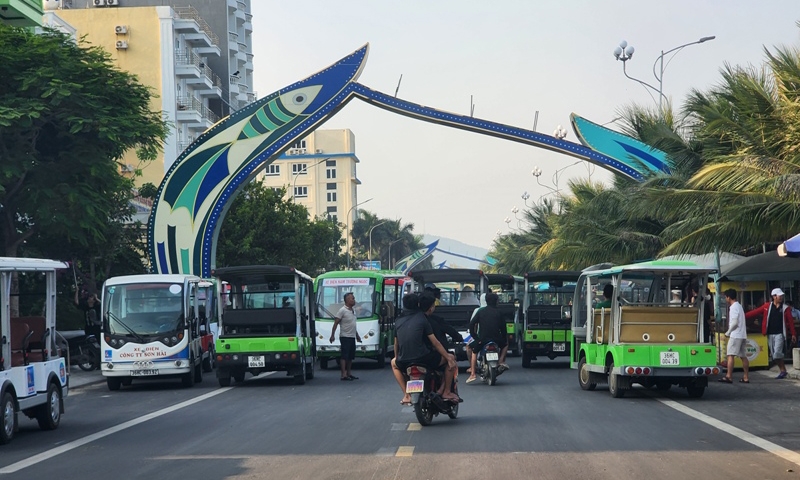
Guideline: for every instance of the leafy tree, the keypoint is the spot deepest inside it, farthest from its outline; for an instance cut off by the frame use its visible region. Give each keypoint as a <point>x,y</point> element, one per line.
<point>388,237</point>
<point>262,228</point>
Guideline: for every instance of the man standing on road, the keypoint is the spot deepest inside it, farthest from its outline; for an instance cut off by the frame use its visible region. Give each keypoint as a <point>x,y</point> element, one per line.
<point>737,338</point>
<point>777,322</point>
<point>348,335</point>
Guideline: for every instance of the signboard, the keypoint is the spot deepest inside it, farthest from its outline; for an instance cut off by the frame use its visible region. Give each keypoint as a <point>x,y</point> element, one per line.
<point>367,265</point>
<point>344,282</point>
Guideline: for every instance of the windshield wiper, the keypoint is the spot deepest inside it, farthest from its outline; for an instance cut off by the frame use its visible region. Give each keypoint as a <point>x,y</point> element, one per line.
<point>125,326</point>
<point>327,311</point>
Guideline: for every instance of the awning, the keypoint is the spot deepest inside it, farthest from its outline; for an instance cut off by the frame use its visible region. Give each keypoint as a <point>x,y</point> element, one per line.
<point>790,248</point>
<point>707,260</point>
<point>765,266</point>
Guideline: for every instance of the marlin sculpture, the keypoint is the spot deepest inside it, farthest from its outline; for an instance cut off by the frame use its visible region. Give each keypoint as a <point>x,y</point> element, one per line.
<point>199,187</point>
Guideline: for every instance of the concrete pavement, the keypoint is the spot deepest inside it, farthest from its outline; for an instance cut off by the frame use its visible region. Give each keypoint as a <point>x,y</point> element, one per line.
<point>78,378</point>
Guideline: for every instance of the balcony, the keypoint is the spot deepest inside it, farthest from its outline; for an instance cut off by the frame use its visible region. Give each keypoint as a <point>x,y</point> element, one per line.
<point>192,111</point>
<point>252,97</point>
<point>240,12</point>
<point>189,22</point>
<point>187,64</point>
<point>233,40</point>
<point>248,26</point>
<point>232,5</point>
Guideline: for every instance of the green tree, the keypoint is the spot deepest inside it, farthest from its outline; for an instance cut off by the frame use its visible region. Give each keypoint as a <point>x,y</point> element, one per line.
<point>262,228</point>
<point>64,127</point>
<point>387,235</point>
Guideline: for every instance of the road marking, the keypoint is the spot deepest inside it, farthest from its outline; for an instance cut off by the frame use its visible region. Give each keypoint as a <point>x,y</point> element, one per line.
<point>413,427</point>
<point>15,467</point>
<point>759,442</point>
<point>404,452</point>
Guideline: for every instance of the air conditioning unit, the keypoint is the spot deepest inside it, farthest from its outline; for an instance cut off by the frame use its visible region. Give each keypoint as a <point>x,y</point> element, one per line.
<point>112,3</point>
<point>290,151</point>
<point>302,151</point>
<point>319,150</point>
<point>99,3</point>
<point>122,45</point>
<point>121,29</point>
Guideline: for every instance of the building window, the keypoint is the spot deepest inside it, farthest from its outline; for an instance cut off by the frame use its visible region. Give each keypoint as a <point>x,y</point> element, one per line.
<point>331,186</point>
<point>333,218</point>
<point>300,144</point>
<point>330,172</point>
<point>332,197</point>
<point>299,168</point>
<point>300,191</point>
<point>273,169</point>
<point>330,163</point>
<point>331,209</point>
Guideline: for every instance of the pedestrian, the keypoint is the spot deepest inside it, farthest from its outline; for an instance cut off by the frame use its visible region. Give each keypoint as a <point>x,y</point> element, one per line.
<point>90,304</point>
<point>777,322</point>
<point>737,338</point>
<point>348,335</point>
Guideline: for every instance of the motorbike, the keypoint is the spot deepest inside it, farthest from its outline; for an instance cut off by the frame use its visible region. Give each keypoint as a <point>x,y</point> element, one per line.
<point>84,351</point>
<point>423,386</point>
<point>488,364</point>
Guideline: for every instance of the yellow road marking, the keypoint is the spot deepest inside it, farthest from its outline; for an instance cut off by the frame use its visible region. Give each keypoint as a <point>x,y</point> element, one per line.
<point>404,452</point>
<point>413,427</point>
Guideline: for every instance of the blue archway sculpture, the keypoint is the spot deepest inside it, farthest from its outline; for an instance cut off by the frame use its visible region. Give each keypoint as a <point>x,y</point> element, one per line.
<point>198,189</point>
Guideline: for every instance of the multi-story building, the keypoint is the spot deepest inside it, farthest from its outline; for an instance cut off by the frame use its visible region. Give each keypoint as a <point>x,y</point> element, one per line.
<point>170,50</point>
<point>21,13</point>
<point>319,172</point>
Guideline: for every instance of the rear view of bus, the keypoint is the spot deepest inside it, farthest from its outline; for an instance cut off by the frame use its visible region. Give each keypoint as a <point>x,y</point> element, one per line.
<point>547,307</point>
<point>152,329</point>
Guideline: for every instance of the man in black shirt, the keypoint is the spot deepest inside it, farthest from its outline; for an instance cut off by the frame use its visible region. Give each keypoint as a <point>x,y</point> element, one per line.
<point>488,325</point>
<point>415,343</point>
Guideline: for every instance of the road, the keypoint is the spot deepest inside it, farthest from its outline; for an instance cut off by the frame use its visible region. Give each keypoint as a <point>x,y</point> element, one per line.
<point>534,423</point>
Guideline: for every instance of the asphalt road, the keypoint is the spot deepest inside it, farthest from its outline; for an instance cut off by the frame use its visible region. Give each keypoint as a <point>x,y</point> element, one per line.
<point>534,423</point>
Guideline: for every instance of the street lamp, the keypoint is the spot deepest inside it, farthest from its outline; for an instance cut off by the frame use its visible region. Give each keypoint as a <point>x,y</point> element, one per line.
<point>347,231</point>
<point>369,255</point>
<point>304,170</point>
<point>624,52</point>
<point>391,266</point>
<point>560,133</point>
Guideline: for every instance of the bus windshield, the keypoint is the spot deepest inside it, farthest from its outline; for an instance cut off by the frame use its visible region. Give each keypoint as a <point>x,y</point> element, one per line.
<point>546,294</point>
<point>330,296</point>
<point>144,308</point>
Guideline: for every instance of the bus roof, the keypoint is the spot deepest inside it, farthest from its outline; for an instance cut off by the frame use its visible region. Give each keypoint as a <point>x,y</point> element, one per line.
<point>29,264</point>
<point>362,274</point>
<point>247,271</point>
<point>546,275</point>
<point>654,266</point>
<point>502,279</point>
<point>446,275</point>
<point>150,278</point>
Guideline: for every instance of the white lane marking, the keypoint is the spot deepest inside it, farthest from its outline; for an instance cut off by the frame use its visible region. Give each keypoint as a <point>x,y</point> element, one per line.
<point>15,467</point>
<point>759,442</point>
<point>404,452</point>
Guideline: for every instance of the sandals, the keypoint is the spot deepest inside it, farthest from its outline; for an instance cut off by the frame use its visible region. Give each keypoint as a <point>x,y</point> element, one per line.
<point>742,380</point>
<point>408,403</point>
<point>725,380</point>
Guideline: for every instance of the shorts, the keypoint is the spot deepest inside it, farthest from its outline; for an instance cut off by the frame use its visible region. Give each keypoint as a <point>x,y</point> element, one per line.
<point>776,343</point>
<point>432,361</point>
<point>736,347</point>
<point>477,346</point>
<point>348,348</point>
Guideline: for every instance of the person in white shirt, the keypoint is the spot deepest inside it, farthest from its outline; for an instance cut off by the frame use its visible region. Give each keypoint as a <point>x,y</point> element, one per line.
<point>737,338</point>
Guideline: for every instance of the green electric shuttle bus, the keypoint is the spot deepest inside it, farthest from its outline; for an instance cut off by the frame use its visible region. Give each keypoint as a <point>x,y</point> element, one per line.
<point>267,324</point>
<point>377,294</point>
<point>643,337</point>
<point>547,307</point>
<point>510,290</point>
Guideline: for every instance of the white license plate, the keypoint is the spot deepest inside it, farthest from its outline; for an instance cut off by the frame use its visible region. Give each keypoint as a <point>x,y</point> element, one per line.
<point>256,361</point>
<point>670,358</point>
<point>415,386</point>
<point>491,356</point>
<point>143,373</point>
<point>559,347</point>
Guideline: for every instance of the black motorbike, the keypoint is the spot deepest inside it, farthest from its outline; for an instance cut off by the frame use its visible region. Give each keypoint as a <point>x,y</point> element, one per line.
<point>84,350</point>
<point>488,364</point>
<point>423,386</point>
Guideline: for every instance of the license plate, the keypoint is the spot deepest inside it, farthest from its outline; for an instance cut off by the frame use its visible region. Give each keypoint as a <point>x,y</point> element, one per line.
<point>256,361</point>
<point>142,373</point>
<point>670,358</point>
<point>491,356</point>
<point>415,386</point>
<point>559,347</point>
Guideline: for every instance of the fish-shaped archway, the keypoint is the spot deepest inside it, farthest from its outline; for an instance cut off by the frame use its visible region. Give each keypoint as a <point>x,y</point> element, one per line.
<point>198,189</point>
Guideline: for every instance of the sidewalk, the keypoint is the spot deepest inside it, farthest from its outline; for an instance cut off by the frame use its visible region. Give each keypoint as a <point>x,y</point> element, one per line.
<point>78,378</point>
<point>794,373</point>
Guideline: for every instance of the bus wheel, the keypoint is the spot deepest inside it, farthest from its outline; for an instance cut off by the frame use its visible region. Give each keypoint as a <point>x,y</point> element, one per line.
<point>48,415</point>
<point>695,391</point>
<point>114,383</point>
<point>126,382</point>
<point>613,383</point>
<point>208,362</point>
<point>584,375</point>
<point>323,363</point>
<point>526,360</point>
<point>8,418</point>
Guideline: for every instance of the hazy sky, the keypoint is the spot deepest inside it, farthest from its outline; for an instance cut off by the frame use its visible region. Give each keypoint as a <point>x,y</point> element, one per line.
<point>514,58</point>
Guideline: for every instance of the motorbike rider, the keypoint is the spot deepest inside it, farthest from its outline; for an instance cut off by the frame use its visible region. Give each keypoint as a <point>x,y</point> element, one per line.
<point>441,329</point>
<point>415,343</point>
<point>488,325</point>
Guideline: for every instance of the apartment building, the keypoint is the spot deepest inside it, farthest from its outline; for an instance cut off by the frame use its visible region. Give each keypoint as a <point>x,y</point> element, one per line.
<point>319,172</point>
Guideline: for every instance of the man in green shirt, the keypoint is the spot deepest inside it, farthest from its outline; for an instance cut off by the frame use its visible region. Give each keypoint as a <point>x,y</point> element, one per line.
<point>608,292</point>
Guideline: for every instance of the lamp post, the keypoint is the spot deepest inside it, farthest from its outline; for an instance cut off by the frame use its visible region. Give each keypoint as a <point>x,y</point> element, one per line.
<point>369,255</point>
<point>390,253</point>
<point>304,170</point>
<point>347,231</point>
<point>624,52</point>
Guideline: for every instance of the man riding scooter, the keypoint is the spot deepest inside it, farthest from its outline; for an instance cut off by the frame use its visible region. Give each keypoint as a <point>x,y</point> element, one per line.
<point>488,325</point>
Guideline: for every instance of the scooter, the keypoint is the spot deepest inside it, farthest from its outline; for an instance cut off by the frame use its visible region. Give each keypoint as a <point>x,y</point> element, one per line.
<point>423,386</point>
<point>84,351</point>
<point>488,363</point>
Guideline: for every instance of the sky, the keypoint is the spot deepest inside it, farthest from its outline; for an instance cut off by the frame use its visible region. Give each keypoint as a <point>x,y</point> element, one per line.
<point>514,58</point>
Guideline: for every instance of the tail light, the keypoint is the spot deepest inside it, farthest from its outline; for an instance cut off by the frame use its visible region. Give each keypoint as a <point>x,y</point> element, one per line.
<point>646,370</point>
<point>715,371</point>
<point>638,370</point>
<point>416,372</point>
<point>491,348</point>
<point>708,371</point>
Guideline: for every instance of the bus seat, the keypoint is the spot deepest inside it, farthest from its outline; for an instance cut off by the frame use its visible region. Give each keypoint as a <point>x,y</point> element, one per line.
<point>37,345</point>
<point>20,335</point>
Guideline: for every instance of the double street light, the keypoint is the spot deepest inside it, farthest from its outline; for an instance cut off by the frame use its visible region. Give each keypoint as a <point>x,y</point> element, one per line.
<point>347,231</point>
<point>624,52</point>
